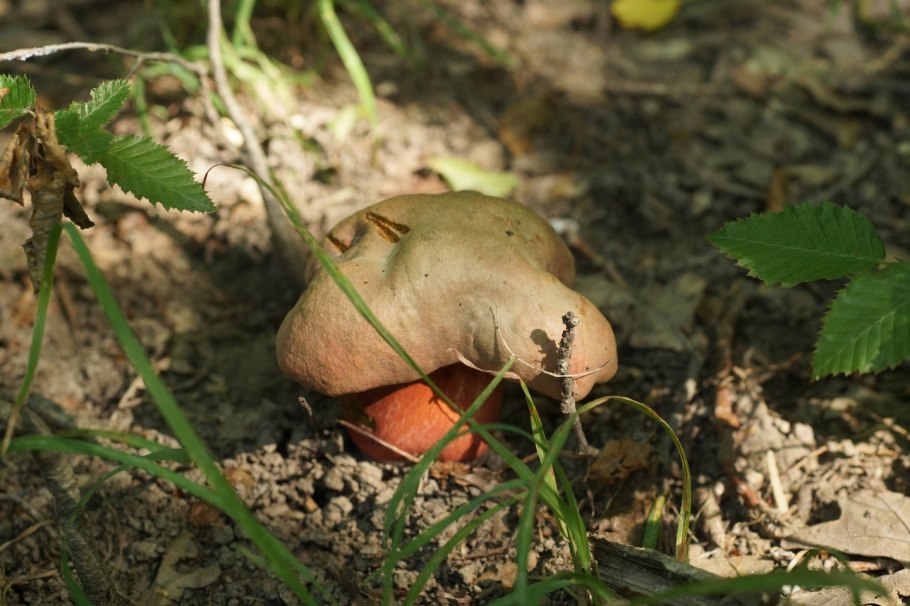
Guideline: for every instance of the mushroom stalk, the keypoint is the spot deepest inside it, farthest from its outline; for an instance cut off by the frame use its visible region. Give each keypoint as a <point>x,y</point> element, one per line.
<point>412,418</point>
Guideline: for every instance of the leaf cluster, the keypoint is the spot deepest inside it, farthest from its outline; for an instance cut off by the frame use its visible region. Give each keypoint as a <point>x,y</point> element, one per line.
<point>138,165</point>
<point>867,326</point>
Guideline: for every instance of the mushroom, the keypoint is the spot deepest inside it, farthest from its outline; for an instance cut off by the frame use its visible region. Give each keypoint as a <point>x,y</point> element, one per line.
<point>463,281</point>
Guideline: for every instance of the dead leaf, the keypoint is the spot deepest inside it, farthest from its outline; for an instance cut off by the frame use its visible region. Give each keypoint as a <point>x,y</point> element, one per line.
<point>14,163</point>
<point>618,459</point>
<point>897,584</point>
<point>204,515</point>
<point>872,524</point>
<point>51,182</point>
<point>170,583</point>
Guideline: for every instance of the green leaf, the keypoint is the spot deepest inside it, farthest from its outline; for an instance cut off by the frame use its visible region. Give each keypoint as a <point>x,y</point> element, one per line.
<point>13,102</point>
<point>88,144</point>
<point>867,328</point>
<point>802,243</point>
<point>106,100</point>
<point>79,125</point>
<point>149,170</point>
<point>461,175</point>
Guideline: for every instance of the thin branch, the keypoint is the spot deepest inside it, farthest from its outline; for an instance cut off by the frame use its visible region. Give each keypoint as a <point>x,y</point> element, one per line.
<point>23,54</point>
<point>373,437</point>
<point>519,360</point>
<point>98,583</point>
<point>288,242</point>
<point>563,361</point>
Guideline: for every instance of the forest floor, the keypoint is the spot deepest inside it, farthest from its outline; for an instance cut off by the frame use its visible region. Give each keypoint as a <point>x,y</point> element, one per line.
<point>638,145</point>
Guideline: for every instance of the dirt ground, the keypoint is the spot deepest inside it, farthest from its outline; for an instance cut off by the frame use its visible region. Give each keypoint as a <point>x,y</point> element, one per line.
<point>638,146</point>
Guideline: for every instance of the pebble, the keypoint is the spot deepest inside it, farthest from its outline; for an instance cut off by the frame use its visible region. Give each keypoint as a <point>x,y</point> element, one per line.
<point>222,535</point>
<point>338,509</point>
<point>334,479</point>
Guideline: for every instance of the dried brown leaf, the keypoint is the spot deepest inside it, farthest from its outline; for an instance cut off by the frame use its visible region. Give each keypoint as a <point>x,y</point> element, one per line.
<point>872,524</point>
<point>51,182</point>
<point>14,163</point>
<point>618,459</point>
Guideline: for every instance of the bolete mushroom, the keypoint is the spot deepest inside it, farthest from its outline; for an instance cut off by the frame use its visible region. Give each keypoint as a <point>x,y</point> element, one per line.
<point>463,281</point>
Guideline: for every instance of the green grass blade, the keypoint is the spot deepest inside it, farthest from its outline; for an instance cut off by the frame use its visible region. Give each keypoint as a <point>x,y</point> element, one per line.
<point>34,350</point>
<point>571,524</point>
<point>80,447</point>
<point>432,531</point>
<point>281,559</point>
<point>349,57</point>
<point>505,58</point>
<point>652,523</point>
<point>559,582</point>
<point>440,554</point>
<point>576,531</point>
<point>385,29</point>
<point>72,586</point>
<point>524,537</point>
<point>685,510</point>
<point>243,32</point>
<point>129,439</point>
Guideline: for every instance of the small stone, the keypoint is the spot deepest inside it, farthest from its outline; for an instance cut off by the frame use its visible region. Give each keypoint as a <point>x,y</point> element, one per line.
<point>334,480</point>
<point>370,474</point>
<point>222,535</point>
<point>337,510</point>
<point>144,550</point>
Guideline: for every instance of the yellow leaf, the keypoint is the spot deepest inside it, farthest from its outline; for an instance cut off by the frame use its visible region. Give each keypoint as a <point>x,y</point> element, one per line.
<point>648,15</point>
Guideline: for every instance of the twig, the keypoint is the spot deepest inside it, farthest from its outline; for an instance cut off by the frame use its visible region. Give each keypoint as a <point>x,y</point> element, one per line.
<point>777,487</point>
<point>370,436</point>
<point>26,533</point>
<point>58,474</point>
<point>520,360</point>
<point>23,54</point>
<point>288,242</point>
<point>22,504</point>
<point>563,359</point>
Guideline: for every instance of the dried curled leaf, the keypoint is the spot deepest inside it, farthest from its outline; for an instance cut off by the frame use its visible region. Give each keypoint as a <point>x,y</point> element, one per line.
<point>51,182</point>
<point>15,162</point>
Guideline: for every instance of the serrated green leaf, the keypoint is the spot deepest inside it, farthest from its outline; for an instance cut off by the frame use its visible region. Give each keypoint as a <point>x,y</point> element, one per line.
<point>79,127</point>
<point>88,144</point>
<point>106,100</point>
<point>13,102</point>
<point>867,328</point>
<point>802,243</point>
<point>149,170</point>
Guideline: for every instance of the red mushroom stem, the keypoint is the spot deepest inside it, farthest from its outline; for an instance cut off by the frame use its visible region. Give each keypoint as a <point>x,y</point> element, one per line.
<point>412,418</point>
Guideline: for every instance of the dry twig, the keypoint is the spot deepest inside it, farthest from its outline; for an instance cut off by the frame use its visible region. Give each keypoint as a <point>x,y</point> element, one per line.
<point>563,359</point>
<point>61,481</point>
<point>288,242</point>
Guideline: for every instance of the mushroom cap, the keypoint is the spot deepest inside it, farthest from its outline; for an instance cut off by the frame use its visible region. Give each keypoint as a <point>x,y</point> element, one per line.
<point>455,277</point>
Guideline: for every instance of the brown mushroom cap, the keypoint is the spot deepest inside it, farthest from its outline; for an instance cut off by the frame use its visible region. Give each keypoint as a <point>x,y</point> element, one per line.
<point>455,277</point>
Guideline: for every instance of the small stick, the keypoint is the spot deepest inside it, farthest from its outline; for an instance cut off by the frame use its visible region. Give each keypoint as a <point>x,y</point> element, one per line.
<point>777,487</point>
<point>567,405</point>
<point>359,430</point>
